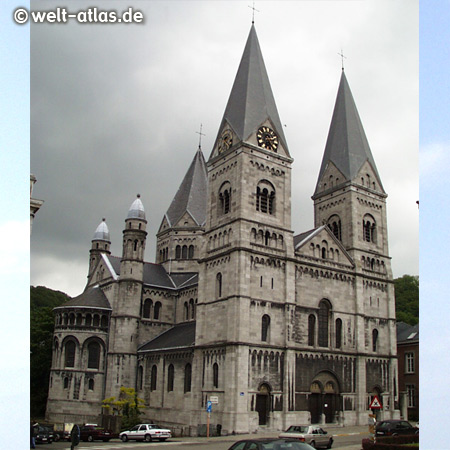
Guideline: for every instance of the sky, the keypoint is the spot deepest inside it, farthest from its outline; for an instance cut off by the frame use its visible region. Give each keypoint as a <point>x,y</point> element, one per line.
<point>116,111</point>
<point>110,118</point>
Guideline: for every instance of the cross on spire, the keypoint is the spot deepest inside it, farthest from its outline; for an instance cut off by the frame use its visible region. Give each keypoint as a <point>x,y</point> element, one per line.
<point>200,137</point>
<point>254,9</point>
<point>342,58</point>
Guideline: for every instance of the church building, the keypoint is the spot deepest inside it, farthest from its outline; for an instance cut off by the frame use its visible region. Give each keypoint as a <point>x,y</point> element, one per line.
<point>275,327</point>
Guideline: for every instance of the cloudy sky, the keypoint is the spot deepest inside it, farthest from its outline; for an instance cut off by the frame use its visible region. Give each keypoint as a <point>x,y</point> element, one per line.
<point>115,110</point>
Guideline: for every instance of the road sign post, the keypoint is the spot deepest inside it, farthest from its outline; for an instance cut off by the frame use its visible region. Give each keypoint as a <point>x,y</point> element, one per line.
<point>208,410</point>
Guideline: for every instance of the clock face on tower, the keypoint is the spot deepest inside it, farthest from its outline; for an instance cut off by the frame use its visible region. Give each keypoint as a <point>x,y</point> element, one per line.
<point>225,141</point>
<point>267,139</point>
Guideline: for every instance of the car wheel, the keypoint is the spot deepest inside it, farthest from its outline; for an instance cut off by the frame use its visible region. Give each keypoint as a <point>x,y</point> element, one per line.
<point>147,438</point>
<point>330,443</point>
<point>90,438</point>
<point>312,444</point>
<point>124,438</point>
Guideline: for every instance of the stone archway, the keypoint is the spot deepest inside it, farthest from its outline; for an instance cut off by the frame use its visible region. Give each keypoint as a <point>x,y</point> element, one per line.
<point>263,404</point>
<point>324,400</point>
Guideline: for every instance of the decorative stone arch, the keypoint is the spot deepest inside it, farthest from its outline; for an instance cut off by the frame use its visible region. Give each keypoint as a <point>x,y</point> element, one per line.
<point>70,347</point>
<point>265,197</point>
<point>324,401</point>
<point>263,402</point>
<point>93,353</point>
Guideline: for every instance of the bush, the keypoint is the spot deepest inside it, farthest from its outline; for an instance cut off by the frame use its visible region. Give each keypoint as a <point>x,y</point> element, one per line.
<point>392,443</point>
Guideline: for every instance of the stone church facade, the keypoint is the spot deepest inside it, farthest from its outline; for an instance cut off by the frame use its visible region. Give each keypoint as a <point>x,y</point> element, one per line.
<point>275,327</point>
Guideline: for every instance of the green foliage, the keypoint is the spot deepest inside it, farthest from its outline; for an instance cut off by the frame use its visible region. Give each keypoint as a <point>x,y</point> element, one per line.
<point>127,406</point>
<point>42,302</point>
<point>407,299</point>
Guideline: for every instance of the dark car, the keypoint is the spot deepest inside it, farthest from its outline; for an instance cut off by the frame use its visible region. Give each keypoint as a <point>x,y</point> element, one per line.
<point>270,444</point>
<point>95,433</point>
<point>42,435</point>
<point>394,428</point>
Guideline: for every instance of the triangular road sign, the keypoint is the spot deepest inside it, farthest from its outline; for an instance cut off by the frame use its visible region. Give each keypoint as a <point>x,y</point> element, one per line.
<point>376,404</point>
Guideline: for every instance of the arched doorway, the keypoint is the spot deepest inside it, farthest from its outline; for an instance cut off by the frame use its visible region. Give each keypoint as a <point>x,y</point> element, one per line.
<point>263,404</point>
<point>324,398</point>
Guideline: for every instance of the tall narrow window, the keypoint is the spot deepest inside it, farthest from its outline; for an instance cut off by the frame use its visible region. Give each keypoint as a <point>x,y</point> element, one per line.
<point>184,252</point>
<point>170,378</point>
<point>265,325</point>
<point>225,198</point>
<point>324,312</point>
<point>140,377</point>
<point>147,313</point>
<point>70,354</point>
<point>374,340</point>
<point>153,378</point>
<point>215,375</point>
<point>311,329</point>
<point>93,355</point>
<point>409,362</point>
<point>191,252</point>
<point>338,333</point>
<point>265,197</point>
<point>66,383</point>
<point>192,308</point>
<point>157,312</point>
<point>219,285</point>
<point>187,378</point>
<point>411,393</point>
<point>178,252</point>
<point>91,384</point>
<point>369,229</point>
<point>186,311</point>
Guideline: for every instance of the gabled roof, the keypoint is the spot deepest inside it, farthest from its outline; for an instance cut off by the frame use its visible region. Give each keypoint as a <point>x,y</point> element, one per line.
<point>179,336</point>
<point>251,101</point>
<point>92,297</point>
<point>191,195</point>
<point>347,146</point>
<point>407,333</point>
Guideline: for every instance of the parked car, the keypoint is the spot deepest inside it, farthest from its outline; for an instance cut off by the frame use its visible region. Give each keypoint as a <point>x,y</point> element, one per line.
<point>146,432</point>
<point>312,435</point>
<point>270,444</point>
<point>394,428</point>
<point>91,433</point>
<point>42,435</point>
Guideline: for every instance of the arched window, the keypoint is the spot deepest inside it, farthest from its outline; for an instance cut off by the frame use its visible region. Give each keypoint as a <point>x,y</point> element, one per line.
<point>311,329</point>
<point>178,252</point>
<point>135,244</point>
<point>93,355</point>
<point>88,320</point>
<point>66,383</point>
<point>70,354</point>
<point>324,253</point>
<point>374,340</point>
<point>170,378</point>
<point>225,198</point>
<point>91,384</point>
<point>140,377</point>
<point>265,326</point>
<point>187,378</point>
<point>147,313</point>
<point>79,319</point>
<point>219,285</point>
<point>184,251</point>
<point>265,197</point>
<point>192,308</point>
<point>157,312</point>
<point>186,311</point>
<point>191,252</point>
<point>96,321</point>
<point>104,321</point>
<point>324,313</point>
<point>153,378</point>
<point>338,333</point>
<point>215,375</point>
<point>369,229</point>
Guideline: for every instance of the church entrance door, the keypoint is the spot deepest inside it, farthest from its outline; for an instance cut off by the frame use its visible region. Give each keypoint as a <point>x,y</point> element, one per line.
<point>263,404</point>
<point>324,399</point>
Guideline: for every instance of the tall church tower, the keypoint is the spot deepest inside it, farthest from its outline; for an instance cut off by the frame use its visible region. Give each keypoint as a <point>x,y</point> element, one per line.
<point>244,276</point>
<point>101,243</point>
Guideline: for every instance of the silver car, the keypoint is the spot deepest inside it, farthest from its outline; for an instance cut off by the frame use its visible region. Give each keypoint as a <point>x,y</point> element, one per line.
<point>146,432</point>
<point>311,434</point>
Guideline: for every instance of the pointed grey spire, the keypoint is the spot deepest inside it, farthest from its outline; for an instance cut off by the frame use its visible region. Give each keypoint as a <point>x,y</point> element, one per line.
<point>251,101</point>
<point>102,232</point>
<point>191,195</point>
<point>347,146</point>
<point>136,210</point>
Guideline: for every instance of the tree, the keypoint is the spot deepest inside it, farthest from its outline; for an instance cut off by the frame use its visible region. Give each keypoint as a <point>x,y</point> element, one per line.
<point>407,299</point>
<point>42,302</point>
<point>127,406</point>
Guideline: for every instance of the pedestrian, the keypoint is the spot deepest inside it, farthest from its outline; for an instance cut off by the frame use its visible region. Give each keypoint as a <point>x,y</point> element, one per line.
<point>32,443</point>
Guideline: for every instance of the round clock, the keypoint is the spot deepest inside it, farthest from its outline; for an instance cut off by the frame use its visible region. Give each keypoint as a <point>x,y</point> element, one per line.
<point>226,141</point>
<point>267,139</point>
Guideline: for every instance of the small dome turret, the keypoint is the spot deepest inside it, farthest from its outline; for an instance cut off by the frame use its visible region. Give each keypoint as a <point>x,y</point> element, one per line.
<point>136,210</point>
<point>102,232</point>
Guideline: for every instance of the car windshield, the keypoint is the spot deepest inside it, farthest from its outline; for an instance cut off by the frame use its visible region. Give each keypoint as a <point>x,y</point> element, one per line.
<point>297,429</point>
<point>280,445</point>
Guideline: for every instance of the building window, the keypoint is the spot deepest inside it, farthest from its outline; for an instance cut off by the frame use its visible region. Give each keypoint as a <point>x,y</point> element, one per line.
<point>93,355</point>
<point>184,252</point>
<point>178,252</point>
<point>265,197</point>
<point>192,308</point>
<point>374,340</point>
<point>140,377</point>
<point>334,224</point>
<point>170,378</point>
<point>153,378</point>
<point>215,375</point>
<point>186,311</point>
<point>187,378</point>
<point>409,362</point>
<point>157,312</point>
<point>225,198</point>
<point>411,394</point>
<point>148,304</point>
<point>369,229</point>
<point>219,285</point>
<point>338,333</point>
<point>191,252</point>
<point>265,326</point>
<point>70,354</point>
<point>311,329</point>
<point>324,313</point>
<point>91,384</point>
<point>66,383</point>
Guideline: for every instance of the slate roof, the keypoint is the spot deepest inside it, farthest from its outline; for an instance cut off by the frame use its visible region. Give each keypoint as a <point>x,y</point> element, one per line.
<point>179,336</point>
<point>92,297</point>
<point>347,146</point>
<point>407,333</point>
<point>251,101</point>
<point>191,195</point>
